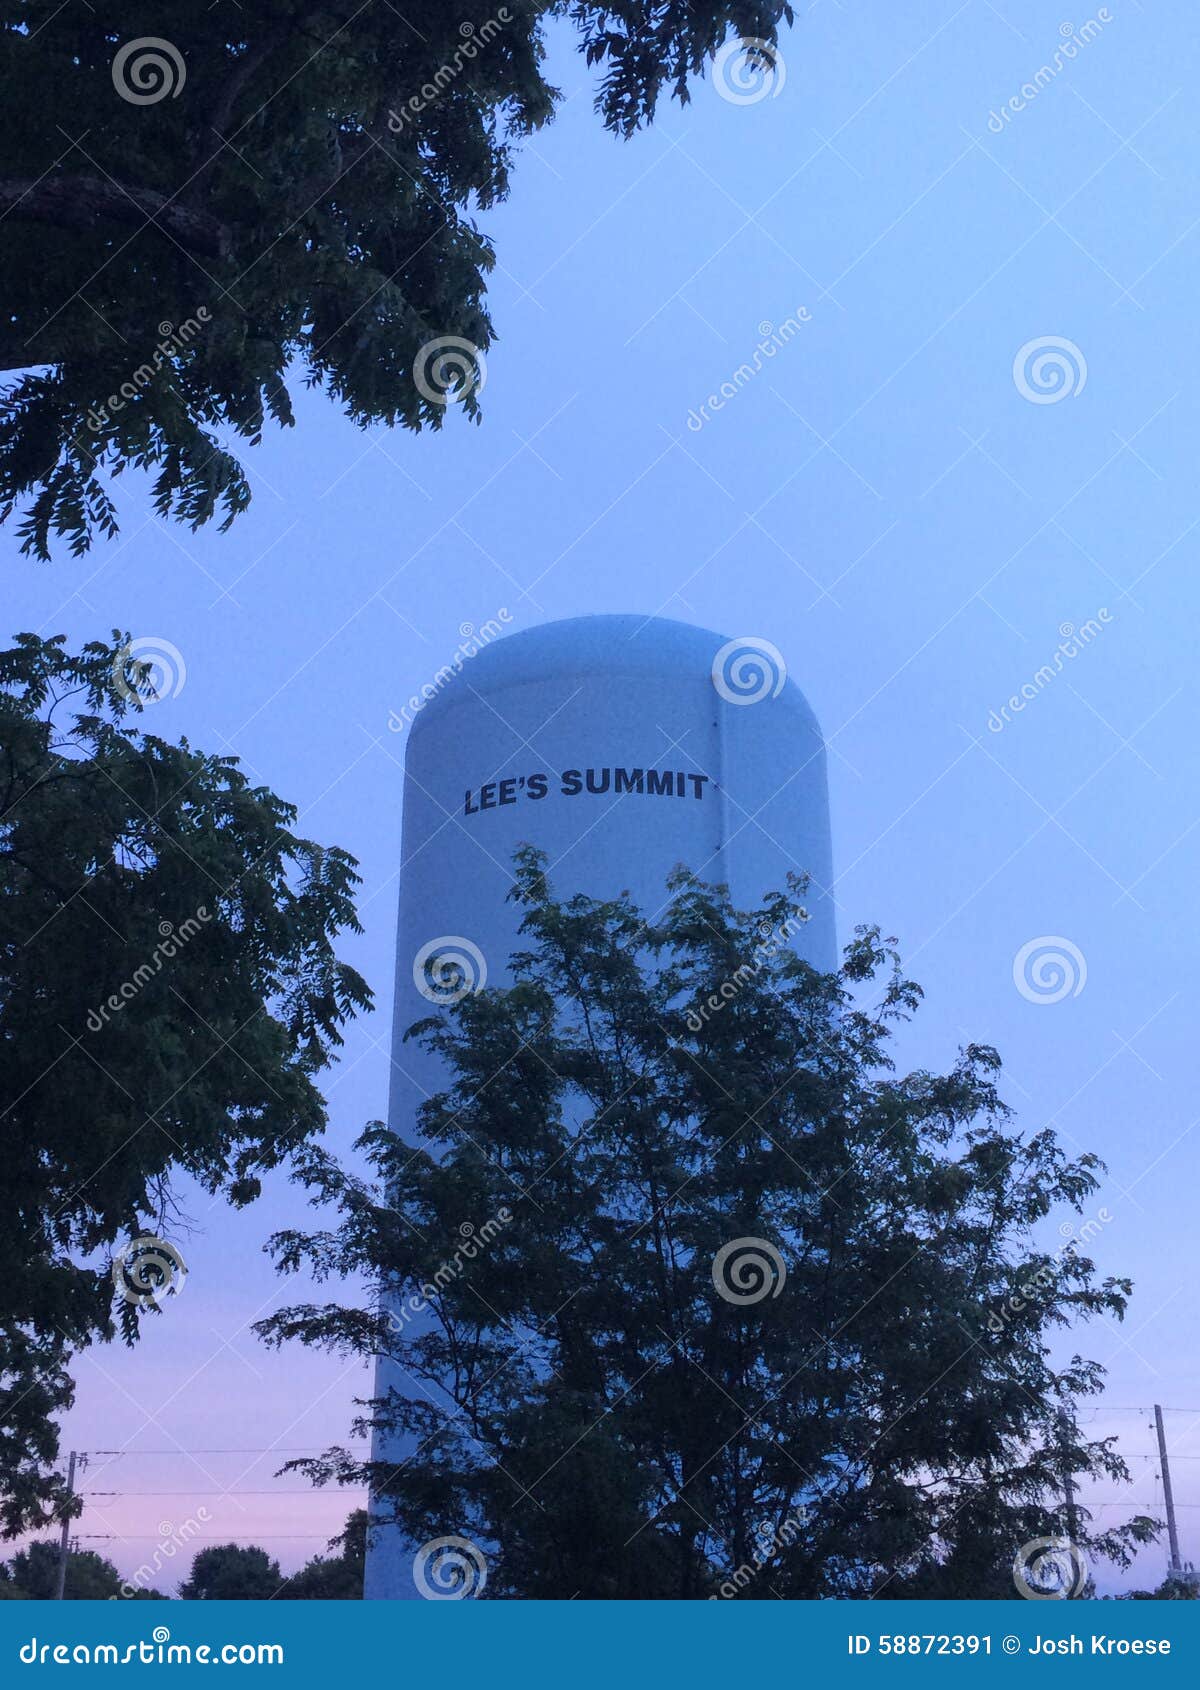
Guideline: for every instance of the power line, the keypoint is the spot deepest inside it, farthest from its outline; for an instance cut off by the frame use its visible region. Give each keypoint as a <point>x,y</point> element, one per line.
<point>1135,1502</point>
<point>1114,1408</point>
<point>226,1537</point>
<point>327,1494</point>
<point>271,1449</point>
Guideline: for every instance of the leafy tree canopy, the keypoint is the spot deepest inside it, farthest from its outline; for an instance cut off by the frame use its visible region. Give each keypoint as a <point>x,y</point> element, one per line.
<point>1182,1587</point>
<point>281,182</point>
<point>231,1572</point>
<point>169,993</point>
<point>32,1574</point>
<point>765,1318</point>
<point>334,1578</point>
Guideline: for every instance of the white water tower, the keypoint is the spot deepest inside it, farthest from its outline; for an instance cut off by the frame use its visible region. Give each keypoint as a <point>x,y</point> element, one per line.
<point>620,746</point>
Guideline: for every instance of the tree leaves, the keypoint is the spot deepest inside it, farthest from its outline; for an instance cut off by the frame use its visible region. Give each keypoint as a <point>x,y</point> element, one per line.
<point>169,989</point>
<point>577,1392</point>
<point>302,208</point>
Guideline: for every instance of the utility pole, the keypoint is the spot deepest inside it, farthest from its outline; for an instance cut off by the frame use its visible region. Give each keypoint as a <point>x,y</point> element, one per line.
<point>64,1547</point>
<point>1175,1570</point>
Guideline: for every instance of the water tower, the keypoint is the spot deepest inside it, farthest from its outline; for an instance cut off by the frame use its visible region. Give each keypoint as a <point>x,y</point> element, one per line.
<point>620,746</point>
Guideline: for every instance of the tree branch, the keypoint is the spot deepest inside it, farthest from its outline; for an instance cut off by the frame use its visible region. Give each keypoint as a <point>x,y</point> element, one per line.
<point>89,202</point>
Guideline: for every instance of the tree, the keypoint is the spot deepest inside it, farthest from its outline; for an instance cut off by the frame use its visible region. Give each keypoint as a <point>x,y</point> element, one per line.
<point>334,1578</point>
<point>1184,1587</point>
<point>690,1295</point>
<point>32,1574</point>
<point>232,1572</point>
<point>169,993</point>
<point>287,184</point>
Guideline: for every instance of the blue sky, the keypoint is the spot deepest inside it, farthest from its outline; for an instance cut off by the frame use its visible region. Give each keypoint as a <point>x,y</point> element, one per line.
<point>882,501</point>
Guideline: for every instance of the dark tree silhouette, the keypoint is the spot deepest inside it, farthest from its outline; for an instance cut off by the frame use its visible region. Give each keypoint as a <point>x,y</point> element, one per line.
<point>692,1295</point>
<point>169,992</point>
<point>232,1572</point>
<point>284,183</point>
